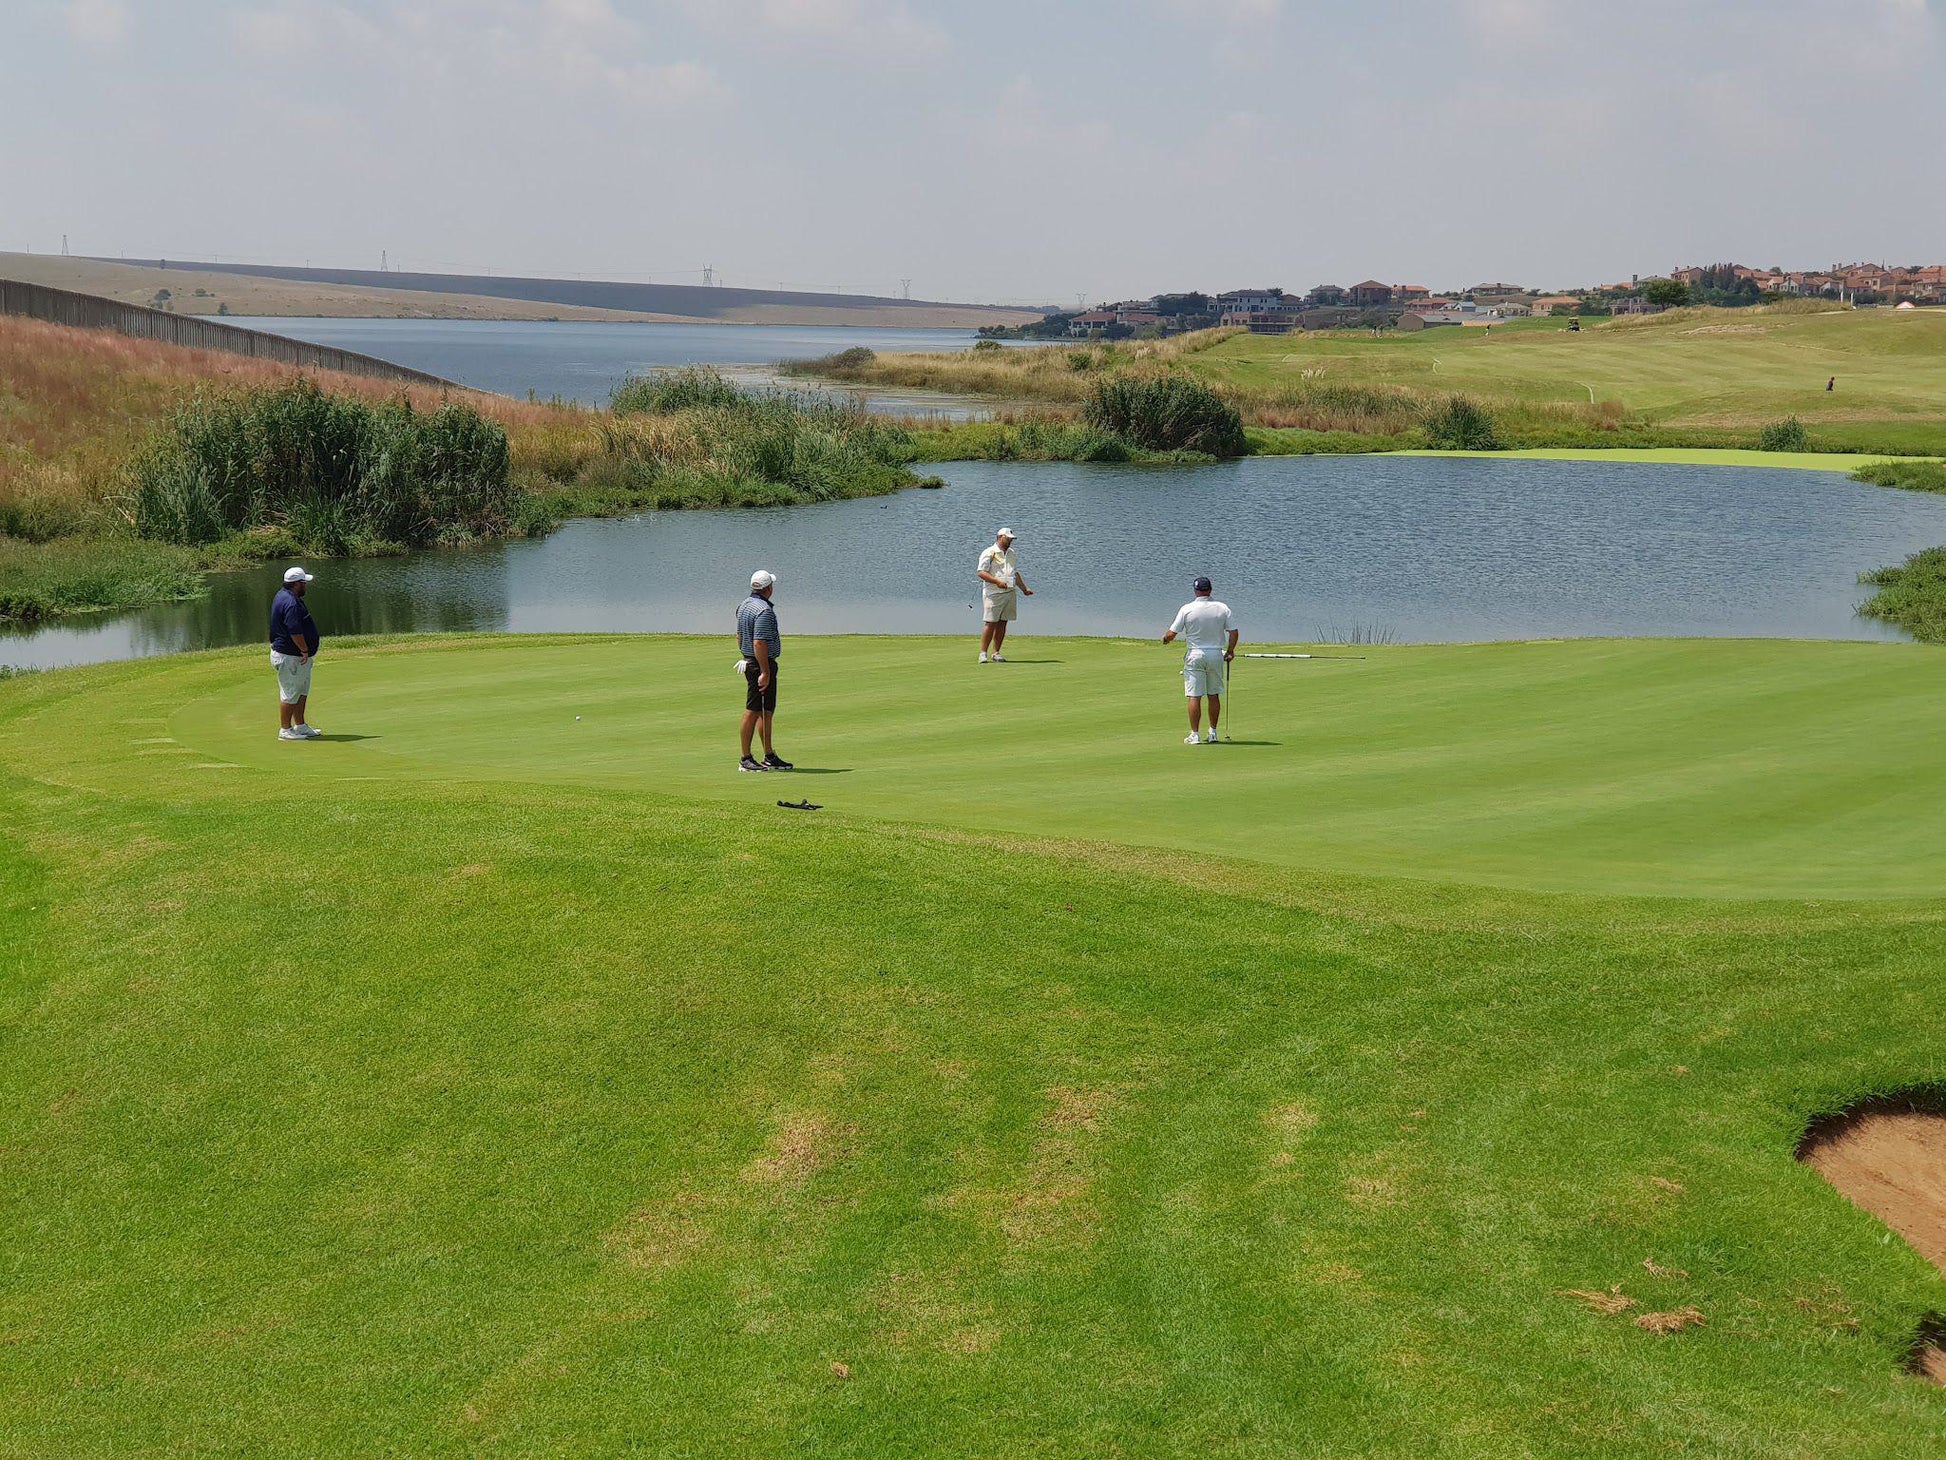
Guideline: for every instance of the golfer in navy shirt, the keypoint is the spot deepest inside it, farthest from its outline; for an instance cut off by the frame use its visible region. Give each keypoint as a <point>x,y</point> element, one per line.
<point>293,645</point>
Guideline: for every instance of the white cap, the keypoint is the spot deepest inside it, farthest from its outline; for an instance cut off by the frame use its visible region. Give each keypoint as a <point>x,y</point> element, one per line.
<point>762,579</point>
<point>1007,532</point>
<point>296,575</point>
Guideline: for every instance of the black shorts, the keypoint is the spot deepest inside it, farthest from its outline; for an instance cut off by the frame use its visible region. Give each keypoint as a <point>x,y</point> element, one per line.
<point>759,699</point>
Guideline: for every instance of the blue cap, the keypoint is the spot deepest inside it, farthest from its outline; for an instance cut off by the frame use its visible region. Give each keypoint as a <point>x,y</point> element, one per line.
<point>1202,585</point>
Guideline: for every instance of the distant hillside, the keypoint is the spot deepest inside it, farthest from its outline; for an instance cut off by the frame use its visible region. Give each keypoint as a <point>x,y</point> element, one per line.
<point>665,301</point>
<point>236,294</point>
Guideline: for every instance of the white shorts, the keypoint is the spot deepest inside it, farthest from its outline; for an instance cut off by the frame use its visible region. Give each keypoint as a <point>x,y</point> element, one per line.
<point>293,676</point>
<point>1002,604</point>
<point>1202,673</point>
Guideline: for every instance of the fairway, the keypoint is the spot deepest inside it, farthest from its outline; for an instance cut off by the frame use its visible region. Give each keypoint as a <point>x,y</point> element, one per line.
<point>484,1081</point>
<point>1672,767</point>
<point>1708,370</point>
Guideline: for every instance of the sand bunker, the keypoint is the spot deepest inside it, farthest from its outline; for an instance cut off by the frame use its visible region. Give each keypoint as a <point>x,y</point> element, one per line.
<point>1889,1157</point>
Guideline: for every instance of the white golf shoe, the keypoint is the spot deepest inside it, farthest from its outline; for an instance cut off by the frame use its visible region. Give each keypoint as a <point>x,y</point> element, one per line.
<point>999,658</point>
<point>288,734</point>
<point>1192,740</point>
<point>1209,737</point>
<point>307,732</point>
<point>983,656</point>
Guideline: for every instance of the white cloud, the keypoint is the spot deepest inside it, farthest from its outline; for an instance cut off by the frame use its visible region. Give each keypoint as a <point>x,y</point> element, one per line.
<point>581,49</point>
<point>1021,123</point>
<point>293,28</point>
<point>1228,12</point>
<point>878,29</point>
<point>98,22</point>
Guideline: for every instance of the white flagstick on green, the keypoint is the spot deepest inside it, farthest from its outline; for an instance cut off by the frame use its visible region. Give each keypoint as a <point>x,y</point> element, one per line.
<point>1303,656</point>
<point>1230,700</point>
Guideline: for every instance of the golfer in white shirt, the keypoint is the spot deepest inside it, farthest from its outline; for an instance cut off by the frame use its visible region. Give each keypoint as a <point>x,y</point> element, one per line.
<point>1210,639</point>
<point>999,581</point>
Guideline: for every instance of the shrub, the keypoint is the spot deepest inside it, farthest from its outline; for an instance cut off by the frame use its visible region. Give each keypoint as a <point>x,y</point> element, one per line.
<point>987,347</point>
<point>1913,595</point>
<point>688,438</point>
<point>1913,476</point>
<point>691,388</point>
<point>1166,413</point>
<point>1461,425</point>
<point>335,470</point>
<point>40,517</point>
<point>1785,435</point>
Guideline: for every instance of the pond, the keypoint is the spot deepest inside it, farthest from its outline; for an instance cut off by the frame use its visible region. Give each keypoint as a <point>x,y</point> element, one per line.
<point>583,360</point>
<point>1304,548</point>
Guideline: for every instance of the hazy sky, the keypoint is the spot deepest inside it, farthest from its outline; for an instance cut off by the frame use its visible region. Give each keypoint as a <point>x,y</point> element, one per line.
<point>995,149</point>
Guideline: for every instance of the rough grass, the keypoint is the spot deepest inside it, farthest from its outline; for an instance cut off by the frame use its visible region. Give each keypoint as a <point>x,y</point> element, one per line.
<point>75,404</point>
<point>83,575</point>
<point>77,408</point>
<point>1688,378</point>
<point>514,1136</point>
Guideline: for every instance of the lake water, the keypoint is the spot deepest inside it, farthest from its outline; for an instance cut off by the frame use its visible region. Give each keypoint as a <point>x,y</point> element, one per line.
<point>584,360</point>
<point>1406,548</point>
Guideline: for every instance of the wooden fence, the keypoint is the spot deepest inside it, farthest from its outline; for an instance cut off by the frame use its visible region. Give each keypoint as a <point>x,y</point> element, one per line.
<point>91,311</point>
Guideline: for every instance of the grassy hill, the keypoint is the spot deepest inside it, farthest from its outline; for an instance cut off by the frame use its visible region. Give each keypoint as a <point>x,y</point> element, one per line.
<point>227,292</point>
<point>1690,378</point>
<point>483,1081</point>
<point>1700,371</point>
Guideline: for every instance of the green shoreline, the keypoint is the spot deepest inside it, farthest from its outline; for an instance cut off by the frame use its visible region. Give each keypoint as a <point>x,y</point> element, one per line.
<point>1838,461</point>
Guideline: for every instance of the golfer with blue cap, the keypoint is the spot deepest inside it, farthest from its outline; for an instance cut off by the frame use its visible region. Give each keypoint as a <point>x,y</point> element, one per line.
<point>1210,639</point>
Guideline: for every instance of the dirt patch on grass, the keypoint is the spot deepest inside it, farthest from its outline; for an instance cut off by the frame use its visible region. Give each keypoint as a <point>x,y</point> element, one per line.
<point>1076,1109</point>
<point>1888,1157</point>
<point>1049,1202</point>
<point>664,1232</point>
<point>803,1145</point>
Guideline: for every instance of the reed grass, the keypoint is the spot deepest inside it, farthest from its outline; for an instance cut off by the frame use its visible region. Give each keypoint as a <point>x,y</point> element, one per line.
<point>689,438</point>
<point>1165,413</point>
<point>1911,476</point>
<point>1911,595</point>
<point>336,472</point>
<point>87,575</point>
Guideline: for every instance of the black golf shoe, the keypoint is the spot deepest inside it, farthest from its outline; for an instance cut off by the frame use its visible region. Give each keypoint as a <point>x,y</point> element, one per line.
<point>747,764</point>
<point>775,762</point>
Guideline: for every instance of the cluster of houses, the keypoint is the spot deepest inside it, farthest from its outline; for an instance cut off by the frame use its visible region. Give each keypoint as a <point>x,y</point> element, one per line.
<point>1415,307</point>
<point>1863,283</point>
<point>1329,306</point>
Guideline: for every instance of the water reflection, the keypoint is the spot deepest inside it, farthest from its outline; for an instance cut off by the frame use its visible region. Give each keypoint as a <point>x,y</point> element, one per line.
<point>1417,549</point>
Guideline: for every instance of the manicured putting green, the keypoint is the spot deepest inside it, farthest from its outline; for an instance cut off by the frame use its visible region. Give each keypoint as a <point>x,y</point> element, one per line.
<point>502,1085</point>
<point>1722,768</point>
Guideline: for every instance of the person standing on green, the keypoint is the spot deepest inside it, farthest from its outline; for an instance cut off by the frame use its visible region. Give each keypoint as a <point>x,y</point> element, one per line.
<point>293,645</point>
<point>1000,581</point>
<point>761,645</point>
